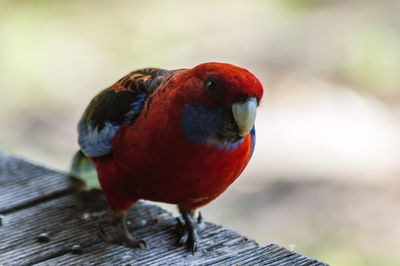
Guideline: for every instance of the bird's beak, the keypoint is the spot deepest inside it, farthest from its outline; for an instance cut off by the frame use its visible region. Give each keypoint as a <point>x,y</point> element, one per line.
<point>245,114</point>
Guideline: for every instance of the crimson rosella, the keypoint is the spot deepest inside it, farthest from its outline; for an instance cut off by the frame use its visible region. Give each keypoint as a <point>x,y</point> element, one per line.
<point>180,137</point>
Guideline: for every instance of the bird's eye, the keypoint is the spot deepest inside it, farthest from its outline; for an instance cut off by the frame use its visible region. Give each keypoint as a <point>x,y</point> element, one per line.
<point>211,86</point>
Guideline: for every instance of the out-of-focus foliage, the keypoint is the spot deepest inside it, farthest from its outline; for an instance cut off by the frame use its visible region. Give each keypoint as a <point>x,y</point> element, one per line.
<point>373,60</point>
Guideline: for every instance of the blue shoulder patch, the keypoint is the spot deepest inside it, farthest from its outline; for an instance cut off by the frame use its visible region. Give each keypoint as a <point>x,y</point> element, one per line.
<point>95,143</point>
<point>119,104</point>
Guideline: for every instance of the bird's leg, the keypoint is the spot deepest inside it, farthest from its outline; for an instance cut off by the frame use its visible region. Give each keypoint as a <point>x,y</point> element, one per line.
<point>188,227</point>
<point>119,231</point>
<point>200,221</point>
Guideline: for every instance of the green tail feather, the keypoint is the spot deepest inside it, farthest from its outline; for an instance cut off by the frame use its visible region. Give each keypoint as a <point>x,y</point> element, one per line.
<point>84,170</point>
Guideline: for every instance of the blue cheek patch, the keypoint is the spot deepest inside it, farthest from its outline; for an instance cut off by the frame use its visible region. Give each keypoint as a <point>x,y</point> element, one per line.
<point>201,126</point>
<point>253,140</point>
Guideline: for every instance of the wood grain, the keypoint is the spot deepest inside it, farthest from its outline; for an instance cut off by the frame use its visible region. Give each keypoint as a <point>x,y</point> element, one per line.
<point>36,200</point>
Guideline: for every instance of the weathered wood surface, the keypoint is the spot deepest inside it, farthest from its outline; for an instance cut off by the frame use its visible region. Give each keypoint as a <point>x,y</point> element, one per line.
<point>35,200</point>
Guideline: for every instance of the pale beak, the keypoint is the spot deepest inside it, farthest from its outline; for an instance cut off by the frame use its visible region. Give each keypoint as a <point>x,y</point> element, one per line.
<point>245,114</point>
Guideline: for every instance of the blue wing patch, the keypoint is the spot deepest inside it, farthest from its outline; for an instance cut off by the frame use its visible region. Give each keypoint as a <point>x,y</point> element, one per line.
<point>119,104</point>
<point>137,106</point>
<point>94,142</point>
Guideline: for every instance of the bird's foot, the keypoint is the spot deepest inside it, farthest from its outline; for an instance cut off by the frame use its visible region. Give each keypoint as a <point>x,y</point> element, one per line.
<point>118,232</point>
<point>188,227</point>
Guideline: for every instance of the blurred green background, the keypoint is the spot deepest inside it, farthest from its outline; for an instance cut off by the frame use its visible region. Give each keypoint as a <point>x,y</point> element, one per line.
<point>324,178</point>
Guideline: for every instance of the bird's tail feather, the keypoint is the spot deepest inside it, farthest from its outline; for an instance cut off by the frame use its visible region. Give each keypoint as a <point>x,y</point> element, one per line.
<point>84,170</point>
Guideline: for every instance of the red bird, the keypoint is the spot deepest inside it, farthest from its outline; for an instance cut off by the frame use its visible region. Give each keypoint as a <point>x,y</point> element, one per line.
<point>180,137</point>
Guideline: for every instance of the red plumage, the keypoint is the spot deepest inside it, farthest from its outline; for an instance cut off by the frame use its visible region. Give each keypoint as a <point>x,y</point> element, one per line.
<point>163,167</point>
<point>152,157</point>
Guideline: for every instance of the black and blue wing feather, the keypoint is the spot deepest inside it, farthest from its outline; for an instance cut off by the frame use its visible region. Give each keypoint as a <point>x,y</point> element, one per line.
<point>111,108</point>
<point>107,112</point>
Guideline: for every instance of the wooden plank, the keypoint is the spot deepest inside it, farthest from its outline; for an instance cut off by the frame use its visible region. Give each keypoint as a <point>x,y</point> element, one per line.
<point>60,218</point>
<point>271,254</point>
<point>69,218</point>
<point>23,183</point>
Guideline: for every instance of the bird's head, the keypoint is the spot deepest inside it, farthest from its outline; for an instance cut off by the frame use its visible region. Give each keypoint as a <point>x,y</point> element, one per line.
<point>220,102</point>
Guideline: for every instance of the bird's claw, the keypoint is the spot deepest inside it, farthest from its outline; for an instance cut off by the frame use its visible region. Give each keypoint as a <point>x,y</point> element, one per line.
<point>102,234</point>
<point>129,241</point>
<point>184,235</point>
<point>188,228</point>
<point>120,234</point>
<point>133,243</point>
